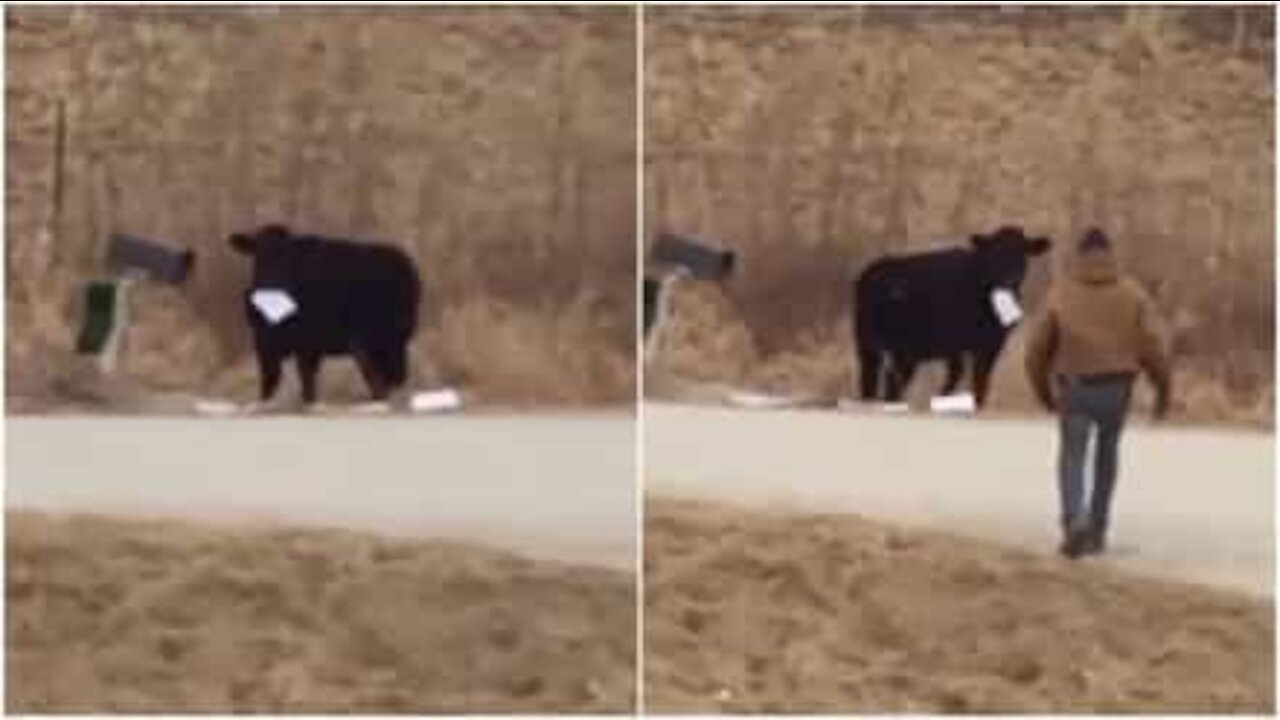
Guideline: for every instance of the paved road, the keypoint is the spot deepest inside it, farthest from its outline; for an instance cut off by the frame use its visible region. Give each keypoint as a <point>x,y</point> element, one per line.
<point>549,486</point>
<point>1191,504</point>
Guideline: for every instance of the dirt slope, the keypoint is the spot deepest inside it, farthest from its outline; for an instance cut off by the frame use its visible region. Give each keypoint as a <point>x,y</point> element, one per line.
<point>115,615</point>
<point>758,611</point>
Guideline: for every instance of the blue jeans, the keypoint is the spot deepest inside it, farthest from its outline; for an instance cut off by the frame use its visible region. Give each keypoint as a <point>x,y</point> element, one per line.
<point>1088,406</point>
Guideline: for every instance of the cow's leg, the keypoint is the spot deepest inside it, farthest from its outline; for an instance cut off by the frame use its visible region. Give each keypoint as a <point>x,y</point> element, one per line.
<point>395,363</point>
<point>869,362</point>
<point>269,370</point>
<point>983,363</point>
<point>955,368</point>
<point>371,370</point>
<point>901,369</point>
<point>308,369</point>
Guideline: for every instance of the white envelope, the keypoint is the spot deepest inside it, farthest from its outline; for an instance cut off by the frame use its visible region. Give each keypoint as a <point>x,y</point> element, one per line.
<point>962,403</point>
<point>1006,306</point>
<point>436,401</point>
<point>274,305</point>
<point>759,401</point>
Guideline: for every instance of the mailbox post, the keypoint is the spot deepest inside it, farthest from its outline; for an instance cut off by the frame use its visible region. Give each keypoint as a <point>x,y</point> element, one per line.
<point>678,257</point>
<point>105,318</point>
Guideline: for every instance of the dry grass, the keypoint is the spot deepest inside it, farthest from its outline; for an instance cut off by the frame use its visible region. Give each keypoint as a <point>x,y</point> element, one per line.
<point>496,145</point>
<point>138,616</point>
<point>770,612</point>
<point>707,343</point>
<point>527,355</point>
<point>811,141</point>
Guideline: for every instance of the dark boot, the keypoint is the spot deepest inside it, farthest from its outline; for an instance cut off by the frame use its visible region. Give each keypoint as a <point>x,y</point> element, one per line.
<point>1094,542</point>
<point>1074,539</point>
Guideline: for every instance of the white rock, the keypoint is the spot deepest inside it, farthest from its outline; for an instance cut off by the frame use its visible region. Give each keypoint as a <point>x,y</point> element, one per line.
<point>216,407</point>
<point>960,403</point>
<point>758,401</point>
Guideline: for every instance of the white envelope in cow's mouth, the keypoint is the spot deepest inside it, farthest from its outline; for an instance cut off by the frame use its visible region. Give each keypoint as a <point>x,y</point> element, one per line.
<point>274,305</point>
<point>1006,306</point>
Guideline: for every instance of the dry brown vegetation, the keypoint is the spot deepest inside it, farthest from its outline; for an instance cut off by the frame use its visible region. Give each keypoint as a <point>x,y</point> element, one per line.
<point>114,615</point>
<point>750,611</point>
<point>495,144</point>
<point>812,140</point>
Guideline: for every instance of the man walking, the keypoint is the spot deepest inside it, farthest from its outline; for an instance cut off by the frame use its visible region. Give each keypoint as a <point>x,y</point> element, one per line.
<point>1098,332</point>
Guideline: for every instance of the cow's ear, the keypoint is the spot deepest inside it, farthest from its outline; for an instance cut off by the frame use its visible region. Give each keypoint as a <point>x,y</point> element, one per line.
<point>242,243</point>
<point>1038,246</point>
<point>275,230</point>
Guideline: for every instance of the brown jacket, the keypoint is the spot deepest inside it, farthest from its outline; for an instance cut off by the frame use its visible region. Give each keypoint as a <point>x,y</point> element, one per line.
<point>1097,321</point>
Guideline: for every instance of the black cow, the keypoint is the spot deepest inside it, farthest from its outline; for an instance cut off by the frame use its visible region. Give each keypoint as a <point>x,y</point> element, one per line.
<point>312,297</point>
<point>939,306</point>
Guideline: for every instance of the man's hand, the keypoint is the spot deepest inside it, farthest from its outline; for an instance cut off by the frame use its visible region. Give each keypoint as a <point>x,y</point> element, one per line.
<point>1046,399</point>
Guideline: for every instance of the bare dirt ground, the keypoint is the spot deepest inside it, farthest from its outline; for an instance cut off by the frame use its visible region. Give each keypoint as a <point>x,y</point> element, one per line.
<point>762,610</point>
<point>227,565</point>
<point>113,615</point>
<point>1192,504</point>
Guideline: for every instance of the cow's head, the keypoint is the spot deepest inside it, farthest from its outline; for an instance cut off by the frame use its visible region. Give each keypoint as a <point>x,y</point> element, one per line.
<point>275,252</point>
<point>1003,256</point>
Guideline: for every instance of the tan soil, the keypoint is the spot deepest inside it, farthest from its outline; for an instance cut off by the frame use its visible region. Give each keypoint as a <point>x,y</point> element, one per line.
<point>759,611</point>
<point>138,615</point>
